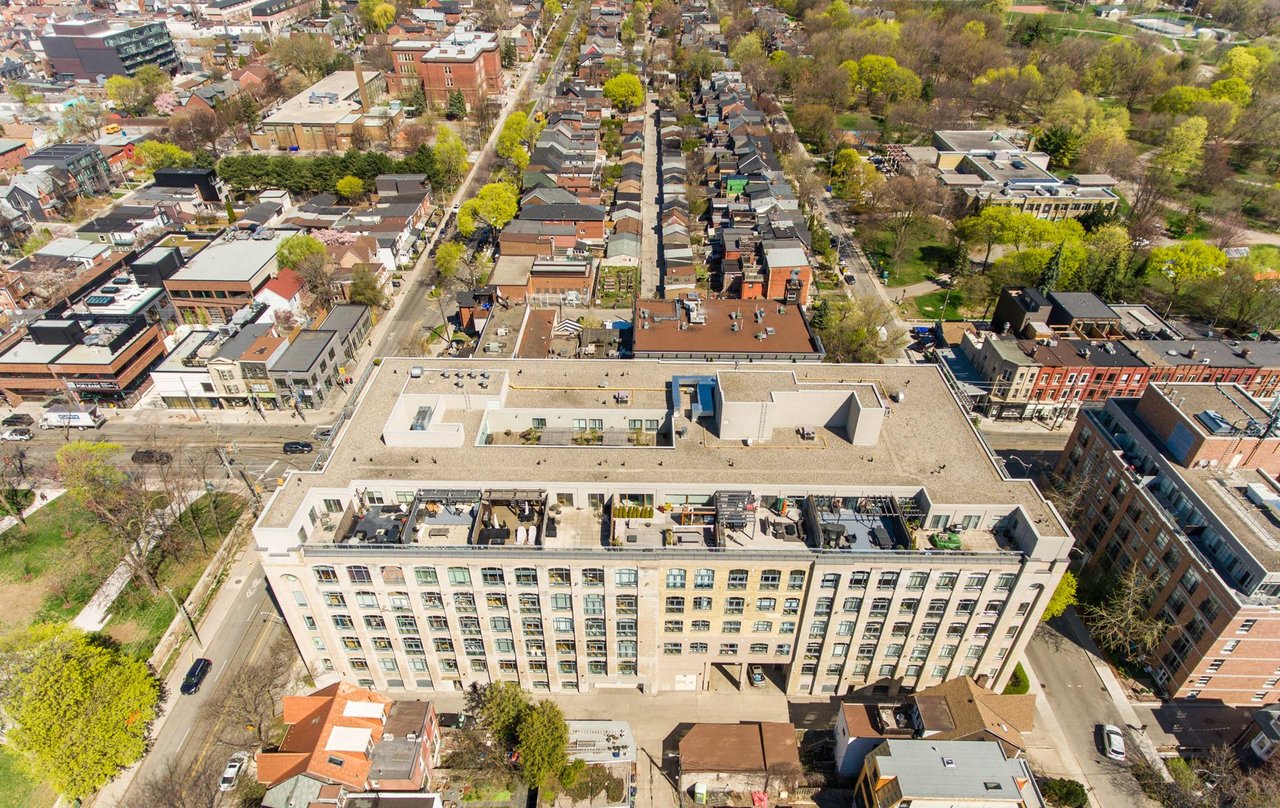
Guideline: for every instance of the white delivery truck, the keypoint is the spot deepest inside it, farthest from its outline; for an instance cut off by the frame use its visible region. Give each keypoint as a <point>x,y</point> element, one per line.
<point>72,416</point>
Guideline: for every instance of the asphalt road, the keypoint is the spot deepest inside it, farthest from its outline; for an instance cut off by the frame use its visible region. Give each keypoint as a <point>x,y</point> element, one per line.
<point>192,737</point>
<point>1080,702</point>
<point>1032,440</point>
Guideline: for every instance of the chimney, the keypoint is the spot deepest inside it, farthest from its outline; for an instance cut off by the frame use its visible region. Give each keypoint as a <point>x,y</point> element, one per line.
<point>364,92</point>
<point>1191,354</point>
<point>1245,352</point>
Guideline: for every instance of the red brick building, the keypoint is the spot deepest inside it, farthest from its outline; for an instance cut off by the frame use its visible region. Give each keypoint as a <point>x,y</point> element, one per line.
<point>465,60</point>
<point>1179,485</point>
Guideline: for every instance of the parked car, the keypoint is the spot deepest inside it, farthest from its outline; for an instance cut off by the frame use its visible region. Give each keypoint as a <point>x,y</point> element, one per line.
<point>756,674</point>
<point>322,432</point>
<point>151,457</point>
<point>297,447</point>
<point>195,676</point>
<point>18,419</point>
<point>232,773</point>
<point>18,433</point>
<point>1112,742</point>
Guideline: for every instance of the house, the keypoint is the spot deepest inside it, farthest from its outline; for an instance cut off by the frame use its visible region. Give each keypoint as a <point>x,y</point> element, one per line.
<point>858,731</point>
<point>315,362</point>
<point>1265,735</point>
<point>346,736</point>
<point>945,774</point>
<point>746,757</point>
<point>283,293</point>
<point>125,225</point>
<point>11,153</point>
<point>961,710</point>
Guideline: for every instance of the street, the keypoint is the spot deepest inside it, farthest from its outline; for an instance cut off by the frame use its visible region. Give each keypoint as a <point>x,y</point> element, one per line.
<point>1078,699</point>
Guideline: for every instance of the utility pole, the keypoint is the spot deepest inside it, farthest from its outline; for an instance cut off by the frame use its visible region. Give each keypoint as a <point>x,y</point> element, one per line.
<point>182,607</point>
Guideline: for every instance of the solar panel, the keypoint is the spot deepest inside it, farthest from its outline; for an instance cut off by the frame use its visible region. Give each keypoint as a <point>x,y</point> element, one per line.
<point>100,300</point>
<point>109,290</point>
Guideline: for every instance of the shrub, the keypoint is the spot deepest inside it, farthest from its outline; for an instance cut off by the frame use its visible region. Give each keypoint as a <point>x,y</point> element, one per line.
<point>1064,793</point>
<point>1018,683</point>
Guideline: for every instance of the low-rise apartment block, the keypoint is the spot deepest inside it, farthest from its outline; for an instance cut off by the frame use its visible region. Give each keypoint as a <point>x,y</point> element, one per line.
<point>1180,484</point>
<point>86,48</point>
<point>583,525</point>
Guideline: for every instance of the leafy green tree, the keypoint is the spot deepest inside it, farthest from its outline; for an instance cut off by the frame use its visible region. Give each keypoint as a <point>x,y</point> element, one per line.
<point>748,49</point>
<point>861,329</point>
<point>993,225</point>
<point>457,108</point>
<point>152,155</point>
<point>1062,144</point>
<point>37,241</point>
<point>852,177</point>
<point>325,10</point>
<point>503,708</point>
<point>510,145</point>
<point>625,91</point>
<point>295,250</point>
<point>366,290</point>
<point>1063,596</point>
<point>349,188</point>
<point>820,315</point>
<point>1183,147</point>
<point>77,709</point>
<point>1064,793</point>
<point>1239,62</point>
<point>815,124</point>
<point>1184,265</point>
<point>882,80</point>
<point>451,158</point>
<point>543,737</point>
<point>310,55</point>
<point>376,15</point>
<point>554,8</point>
<point>495,205</point>
<point>448,260</point>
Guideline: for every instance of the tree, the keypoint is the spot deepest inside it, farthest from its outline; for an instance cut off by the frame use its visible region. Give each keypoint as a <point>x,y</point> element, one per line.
<point>510,145</point>
<point>247,702</point>
<point>24,95</point>
<point>349,188</point>
<point>1064,793</point>
<point>882,80</point>
<point>503,708</point>
<point>495,205</point>
<point>509,54</point>
<point>176,784</point>
<point>861,329</point>
<point>153,155</point>
<point>196,128</point>
<point>376,15</point>
<point>294,250</point>
<point>543,738</point>
<point>1062,144</point>
<point>451,159</point>
<point>366,290</point>
<point>1121,622</point>
<point>457,106</point>
<point>15,482</point>
<point>553,8</point>
<point>77,709</point>
<point>815,124</point>
<point>129,94</point>
<point>310,55</point>
<point>1185,264</point>
<point>625,91</point>
<point>83,119</point>
<point>37,241</point>
<point>1064,595</point>
<point>325,11</point>
<point>854,178</point>
<point>1183,146</point>
<point>904,204</point>
<point>448,260</point>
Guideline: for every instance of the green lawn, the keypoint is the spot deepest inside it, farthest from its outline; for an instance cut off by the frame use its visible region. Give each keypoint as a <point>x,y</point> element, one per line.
<point>17,789</point>
<point>930,306</point>
<point>852,121</point>
<point>921,256</point>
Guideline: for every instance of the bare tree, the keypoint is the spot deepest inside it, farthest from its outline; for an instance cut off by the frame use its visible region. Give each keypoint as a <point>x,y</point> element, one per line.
<point>248,702</point>
<point>904,204</point>
<point>176,785</point>
<point>1122,622</point>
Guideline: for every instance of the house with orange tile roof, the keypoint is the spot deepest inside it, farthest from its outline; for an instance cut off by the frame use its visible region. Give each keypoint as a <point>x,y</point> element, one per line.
<point>344,739</point>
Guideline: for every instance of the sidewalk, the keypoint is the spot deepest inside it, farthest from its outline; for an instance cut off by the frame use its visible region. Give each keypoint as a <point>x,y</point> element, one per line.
<point>43,496</point>
<point>1116,692</point>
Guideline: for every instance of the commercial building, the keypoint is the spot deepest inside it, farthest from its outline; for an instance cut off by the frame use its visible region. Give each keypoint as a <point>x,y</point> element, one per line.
<point>329,114</point>
<point>224,277</point>
<point>87,358</point>
<point>945,774</point>
<point>315,363</point>
<point>582,525</point>
<point>697,328</point>
<point>1180,484</point>
<point>986,168</point>
<point>464,61</point>
<point>80,49</point>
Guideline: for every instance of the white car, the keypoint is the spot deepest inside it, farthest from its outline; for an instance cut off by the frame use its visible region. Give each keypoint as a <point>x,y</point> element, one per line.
<point>1113,742</point>
<point>232,772</point>
<point>20,433</point>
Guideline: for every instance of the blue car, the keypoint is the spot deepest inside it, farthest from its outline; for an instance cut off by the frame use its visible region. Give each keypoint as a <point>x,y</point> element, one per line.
<point>195,676</point>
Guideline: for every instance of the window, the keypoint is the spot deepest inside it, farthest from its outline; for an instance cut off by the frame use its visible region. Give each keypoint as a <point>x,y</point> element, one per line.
<point>443,645</point>
<point>887,580</point>
<point>900,629</point>
<point>1246,626</point>
<point>770,579</point>
<point>704,579</point>
<point>795,580</point>
<point>675,605</point>
<point>626,604</point>
<point>731,627</point>
<point>625,628</point>
<point>831,580</point>
<point>734,605</point>
<point>432,601</point>
<point>366,600</point>
<point>766,604</point>
<point>491,576</point>
<point>879,607</point>
<point>425,576</point>
<point>791,606</point>
<point>569,667</point>
<point>673,626</point>
<point>501,625</point>
<point>947,581</point>
<point>464,601</point>
<point>762,626</point>
<point>343,621</point>
<point>406,624</point>
<point>675,579</point>
<point>375,622</point>
<point>975,582</point>
<point>894,650</point>
<point>535,648</point>
<point>335,600</point>
<point>823,606</point>
<point>672,648</point>
<point>593,576</point>
<point>851,605</point>
<point>782,649</point>
<point>627,649</point>
<point>596,648</point>
<point>593,604</point>
<point>737,579</point>
<point>917,580</point>
<point>759,648</point>
<point>566,647</point>
<point>698,648</point>
<point>529,603</point>
<point>1230,647</point>
<point>325,575</point>
<point>562,625</point>
<point>359,574</point>
<point>728,649</point>
<point>702,604</point>
<point>909,606</point>
<point>526,576</point>
<point>625,577</point>
<point>1004,583</point>
<point>437,623</point>
<point>561,602</point>
<point>787,627</point>
<point>937,607</point>
<point>858,580</point>
<point>558,576</point>
<point>350,643</point>
<point>700,625</point>
<point>845,628</point>
<point>460,576</point>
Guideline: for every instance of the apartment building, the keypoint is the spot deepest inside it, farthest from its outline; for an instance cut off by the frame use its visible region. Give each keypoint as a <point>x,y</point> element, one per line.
<point>464,61</point>
<point>80,49</point>
<point>1181,484</point>
<point>586,525</point>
